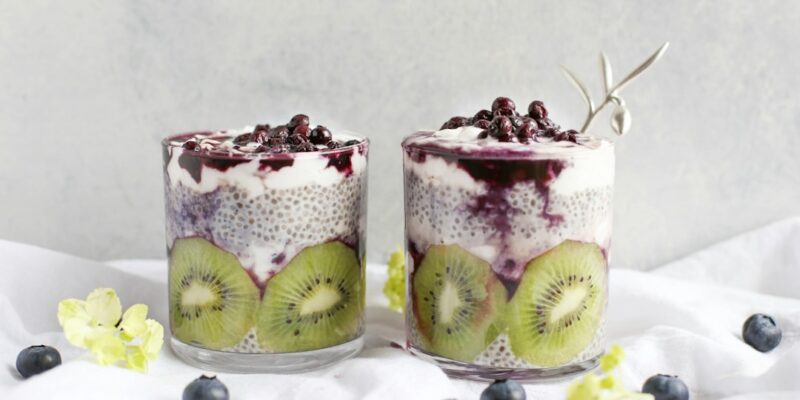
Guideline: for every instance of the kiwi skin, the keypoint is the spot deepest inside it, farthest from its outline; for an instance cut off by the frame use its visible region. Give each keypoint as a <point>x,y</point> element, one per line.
<point>571,268</point>
<point>223,320</point>
<point>478,290</point>
<point>315,301</point>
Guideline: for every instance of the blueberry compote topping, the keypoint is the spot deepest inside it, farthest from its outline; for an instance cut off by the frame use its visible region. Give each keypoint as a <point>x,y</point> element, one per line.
<point>505,124</point>
<point>297,136</point>
<point>274,146</point>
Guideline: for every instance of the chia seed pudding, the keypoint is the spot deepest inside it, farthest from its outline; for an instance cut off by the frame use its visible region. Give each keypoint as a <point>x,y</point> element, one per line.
<point>508,227</point>
<point>265,236</point>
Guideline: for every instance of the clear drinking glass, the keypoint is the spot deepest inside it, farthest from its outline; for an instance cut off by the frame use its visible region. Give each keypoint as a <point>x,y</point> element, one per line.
<point>507,255</point>
<point>266,255</point>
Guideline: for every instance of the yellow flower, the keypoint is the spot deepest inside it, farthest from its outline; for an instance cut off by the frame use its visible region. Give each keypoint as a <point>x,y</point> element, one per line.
<point>81,318</point>
<point>606,386</point>
<point>99,325</point>
<point>136,359</point>
<point>133,322</point>
<point>395,287</point>
<point>108,349</point>
<point>152,340</point>
<point>587,388</point>
<point>104,306</point>
<point>612,358</point>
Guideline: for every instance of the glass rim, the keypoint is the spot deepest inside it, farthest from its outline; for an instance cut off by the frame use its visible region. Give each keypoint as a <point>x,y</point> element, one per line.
<point>166,143</point>
<point>505,153</point>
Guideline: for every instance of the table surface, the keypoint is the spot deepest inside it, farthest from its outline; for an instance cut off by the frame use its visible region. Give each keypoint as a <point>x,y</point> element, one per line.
<point>683,318</point>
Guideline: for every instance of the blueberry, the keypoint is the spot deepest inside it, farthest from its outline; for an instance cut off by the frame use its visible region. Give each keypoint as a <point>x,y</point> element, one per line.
<point>547,123</point>
<point>483,115</point>
<point>37,359</point>
<point>261,127</point>
<point>206,388</point>
<point>537,111</point>
<point>455,122</point>
<point>320,135</point>
<point>516,121</point>
<point>566,136</point>
<point>483,134</point>
<point>304,147</point>
<point>506,112</point>
<point>351,142</point>
<point>503,103</point>
<point>242,139</point>
<point>482,123</point>
<point>276,141</point>
<point>334,144</point>
<point>279,131</point>
<point>503,389</point>
<point>548,133</point>
<point>761,332</point>
<point>190,145</point>
<point>258,136</point>
<point>501,128</point>
<point>301,130</point>
<point>526,131</point>
<point>666,387</point>
<point>298,120</point>
<point>296,139</point>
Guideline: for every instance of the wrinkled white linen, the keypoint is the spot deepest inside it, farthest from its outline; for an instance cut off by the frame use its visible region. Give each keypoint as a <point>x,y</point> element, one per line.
<point>683,318</point>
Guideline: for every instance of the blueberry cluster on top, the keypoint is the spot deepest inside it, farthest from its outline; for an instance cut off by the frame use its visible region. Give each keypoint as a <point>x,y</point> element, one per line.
<point>506,124</point>
<point>297,136</point>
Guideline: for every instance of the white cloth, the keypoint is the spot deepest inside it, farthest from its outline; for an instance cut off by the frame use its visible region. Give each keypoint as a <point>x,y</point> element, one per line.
<point>684,318</point>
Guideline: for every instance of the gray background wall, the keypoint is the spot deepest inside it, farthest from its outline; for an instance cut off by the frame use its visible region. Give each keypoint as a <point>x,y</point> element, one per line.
<point>87,89</point>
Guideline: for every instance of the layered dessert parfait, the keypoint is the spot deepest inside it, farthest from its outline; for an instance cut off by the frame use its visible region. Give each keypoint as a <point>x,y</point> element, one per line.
<point>265,237</point>
<point>508,226</point>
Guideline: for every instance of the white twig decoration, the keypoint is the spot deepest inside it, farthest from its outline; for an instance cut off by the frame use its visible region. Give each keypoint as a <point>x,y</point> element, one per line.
<point>620,117</point>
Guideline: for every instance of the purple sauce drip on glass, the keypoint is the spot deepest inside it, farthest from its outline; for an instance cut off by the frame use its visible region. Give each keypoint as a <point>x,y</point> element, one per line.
<point>341,161</point>
<point>500,170</point>
<point>275,164</point>
<point>194,163</point>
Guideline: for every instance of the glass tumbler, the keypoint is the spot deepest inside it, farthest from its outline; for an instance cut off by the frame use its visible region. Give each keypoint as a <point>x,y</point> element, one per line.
<point>266,255</point>
<point>507,257</point>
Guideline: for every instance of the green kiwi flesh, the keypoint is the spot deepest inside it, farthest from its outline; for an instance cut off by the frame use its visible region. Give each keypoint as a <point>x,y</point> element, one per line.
<point>316,301</point>
<point>212,298</point>
<point>558,306</point>
<point>456,301</point>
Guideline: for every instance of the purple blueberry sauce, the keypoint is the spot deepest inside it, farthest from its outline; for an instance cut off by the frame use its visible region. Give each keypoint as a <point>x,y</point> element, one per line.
<point>222,150</point>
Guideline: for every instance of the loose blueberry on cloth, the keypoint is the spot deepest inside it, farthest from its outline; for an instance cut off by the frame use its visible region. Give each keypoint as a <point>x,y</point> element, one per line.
<point>37,359</point>
<point>206,388</point>
<point>761,332</point>
<point>666,387</point>
<point>503,389</point>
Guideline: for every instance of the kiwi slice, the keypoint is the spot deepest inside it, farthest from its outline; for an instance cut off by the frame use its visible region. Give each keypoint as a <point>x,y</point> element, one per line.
<point>212,298</point>
<point>316,301</point>
<point>456,301</point>
<point>558,306</point>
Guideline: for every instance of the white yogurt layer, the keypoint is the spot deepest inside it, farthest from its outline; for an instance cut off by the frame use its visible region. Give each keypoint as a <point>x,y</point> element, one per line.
<point>307,169</point>
<point>466,139</point>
